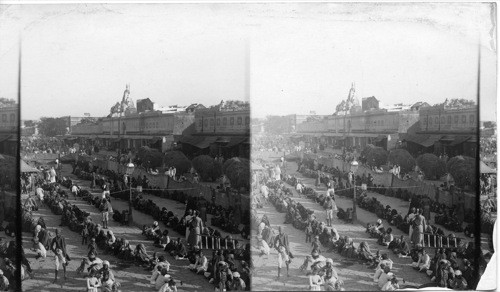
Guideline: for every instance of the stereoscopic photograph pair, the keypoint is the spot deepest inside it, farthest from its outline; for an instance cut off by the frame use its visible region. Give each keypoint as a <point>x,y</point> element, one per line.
<point>248,146</point>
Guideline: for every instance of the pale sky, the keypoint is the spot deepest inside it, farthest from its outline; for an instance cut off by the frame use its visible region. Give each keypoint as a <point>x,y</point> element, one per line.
<point>304,57</point>
<point>77,59</point>
<point>399,53</point>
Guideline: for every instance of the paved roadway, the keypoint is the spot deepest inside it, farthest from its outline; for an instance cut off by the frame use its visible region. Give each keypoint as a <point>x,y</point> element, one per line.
<point>131,277</point>
<point>356,276</point>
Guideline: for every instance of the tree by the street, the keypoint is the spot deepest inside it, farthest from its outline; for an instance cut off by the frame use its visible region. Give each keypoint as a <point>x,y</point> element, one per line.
<point>29,123</point>
<point>490,124</point>
<point>402,158</point>
<point>204,166</point>
<point>4,102</point>
<point>150,158</point>
<point>52,127</point>
<point>375,156</point>
<point>178,160</point>
<point>456,103</point>
<point>432,166</point>
<point>463,170</point>
<point>237,170</point>
<point>88,120</point>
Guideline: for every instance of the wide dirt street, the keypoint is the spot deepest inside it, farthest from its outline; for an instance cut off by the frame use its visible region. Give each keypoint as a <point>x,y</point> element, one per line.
<point>131,277</point>
<point>356,276</point>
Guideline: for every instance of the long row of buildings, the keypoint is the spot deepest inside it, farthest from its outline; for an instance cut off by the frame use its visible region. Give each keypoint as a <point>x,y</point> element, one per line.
<point>420,128</point>
<point>9,116</point>
<point>196,128</point>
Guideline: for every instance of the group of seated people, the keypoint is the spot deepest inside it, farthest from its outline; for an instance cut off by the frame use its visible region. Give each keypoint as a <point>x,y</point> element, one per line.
<point>322,274</point>
<point>100,239</point>
<point>8,278</point>
<point>175,248</point>
<point>222,218</point>
<point>444,273</point>
<point>445,269</point>
<point>446,216</point>
<point>232,275</point>
<point>327,236</point>
<point>99,273</point>
<point>330,238</point>
<point>396,219</point>
<point>224,270</point>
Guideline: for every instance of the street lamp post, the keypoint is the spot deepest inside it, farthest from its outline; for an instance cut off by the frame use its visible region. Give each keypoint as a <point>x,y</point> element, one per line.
<point>129,171</point>
<point>354,168</point>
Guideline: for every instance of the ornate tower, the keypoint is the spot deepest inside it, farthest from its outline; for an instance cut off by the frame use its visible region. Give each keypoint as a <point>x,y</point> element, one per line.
<point>127,104</point>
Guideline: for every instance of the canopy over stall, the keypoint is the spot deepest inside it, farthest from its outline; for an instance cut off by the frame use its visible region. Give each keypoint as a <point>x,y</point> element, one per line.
<point>26,168</point>
<point>483,168</point>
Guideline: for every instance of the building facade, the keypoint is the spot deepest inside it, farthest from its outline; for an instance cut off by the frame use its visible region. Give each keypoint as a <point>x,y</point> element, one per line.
<point>9,120</point>
<point>219,132</point>
<point>378,127</point>
<point>369,103</point>
<point>73,121</point>
<point>441,120</point>
<point>450,131</point>
<point>152,128</point>
<point>215,121</point>
<point>144,105</point>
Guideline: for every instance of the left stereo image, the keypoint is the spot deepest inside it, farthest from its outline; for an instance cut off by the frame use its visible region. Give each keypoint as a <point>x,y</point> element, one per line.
<point>9,113</point>
<point>11,269</point>
<point>134,152</point>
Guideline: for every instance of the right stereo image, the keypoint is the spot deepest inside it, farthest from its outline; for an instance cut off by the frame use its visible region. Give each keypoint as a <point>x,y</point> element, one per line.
<point>374,148</point>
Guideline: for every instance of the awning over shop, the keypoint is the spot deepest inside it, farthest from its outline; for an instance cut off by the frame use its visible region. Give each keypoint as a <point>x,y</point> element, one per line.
<point>198,141</point>
<point>233,141</point>
<point>26,168</point>
<point>257,167</point>
<point>473,139</point>
<point>422,140</point>
<point>414,138</point>
<point>447,138</point>
<point>156,139</point>
<point>483,168</point>
<point>116,140</point>
<point>5,137</point>
<point>379,138</point>
<point>460,140</point>
<point>430,140</point>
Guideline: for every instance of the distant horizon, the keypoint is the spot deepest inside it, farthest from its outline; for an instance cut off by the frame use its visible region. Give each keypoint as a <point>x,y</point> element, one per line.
<point>284,59</point>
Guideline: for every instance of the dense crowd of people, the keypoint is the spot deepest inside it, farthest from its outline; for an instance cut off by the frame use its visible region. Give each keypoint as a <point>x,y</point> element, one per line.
<point>325,236</point>
<point>232,272</point>
<point>44,145</point>
<point>8,266</point>
<point>488,146</point>
<point>456,271</point>
<point>451,267</point>
<point>228,269</point>
<point>450,217</point>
